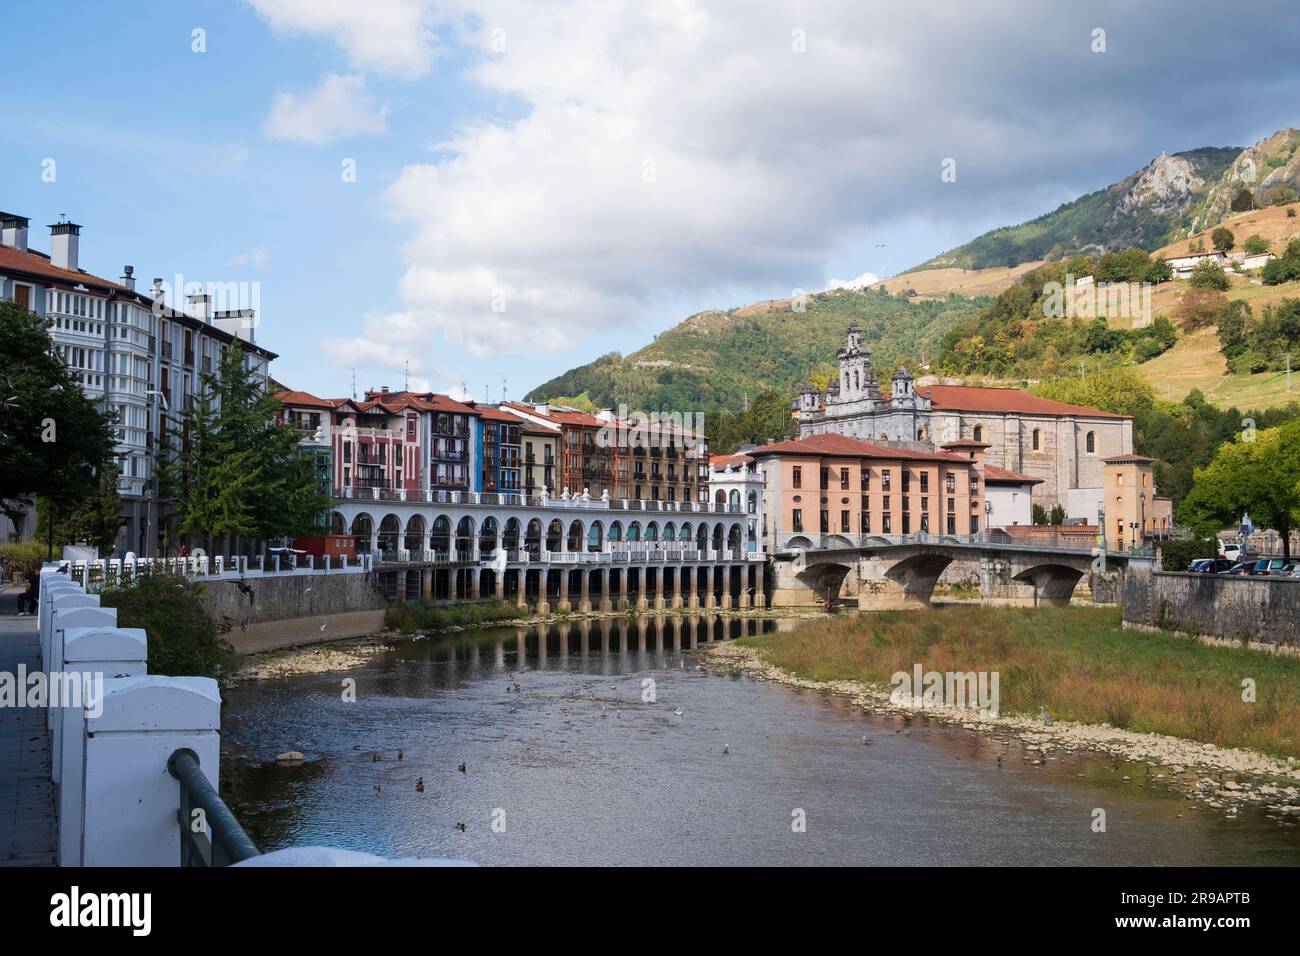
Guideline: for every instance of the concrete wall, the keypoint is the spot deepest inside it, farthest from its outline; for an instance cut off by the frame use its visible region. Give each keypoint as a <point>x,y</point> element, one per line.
<point>279,598</point>
<point>1214,605</point>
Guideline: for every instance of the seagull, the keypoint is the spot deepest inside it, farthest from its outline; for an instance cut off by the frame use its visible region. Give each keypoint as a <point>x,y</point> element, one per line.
<point>678,712</point>
<point>323,626</point>
<point>1047,718</point>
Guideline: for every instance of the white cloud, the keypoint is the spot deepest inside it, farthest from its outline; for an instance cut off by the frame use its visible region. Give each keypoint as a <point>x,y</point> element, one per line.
<point>385,36</point>
<point>679,150</point>
<point>337,109</point>
<point>255,257</point>
<point>861,282</point>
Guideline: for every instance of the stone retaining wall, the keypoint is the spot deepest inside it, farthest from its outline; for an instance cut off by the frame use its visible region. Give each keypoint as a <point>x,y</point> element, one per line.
<point>282,598</point>
<point>1265,609</point>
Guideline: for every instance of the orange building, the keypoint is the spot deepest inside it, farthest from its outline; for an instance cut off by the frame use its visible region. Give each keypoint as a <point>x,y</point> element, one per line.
<point>1132,511</point>
<point>835,485</point>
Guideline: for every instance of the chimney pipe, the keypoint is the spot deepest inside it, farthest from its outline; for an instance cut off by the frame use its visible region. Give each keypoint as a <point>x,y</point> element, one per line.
<point>65,238</point>
<point>13,231</point>
<point>128,277</point>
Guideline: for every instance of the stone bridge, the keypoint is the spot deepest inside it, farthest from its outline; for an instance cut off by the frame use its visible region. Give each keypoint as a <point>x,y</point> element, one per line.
<point>882,572</point>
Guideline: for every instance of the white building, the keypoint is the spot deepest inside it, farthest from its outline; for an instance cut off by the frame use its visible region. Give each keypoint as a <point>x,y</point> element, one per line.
<point>737,481</point>
<point>135,354</point>
<point>1008,497</point>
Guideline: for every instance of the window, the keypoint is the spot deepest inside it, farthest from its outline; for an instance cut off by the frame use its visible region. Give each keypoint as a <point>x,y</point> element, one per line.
<point>844,479</point>
<point>844,521</point>
<point>797,519</point>
<point>825,521</point>
<point>866,478</point>
<point>797,480</point>
<point>884,480</point>
<point>925,481</point>
<point>978,433</point>
<point>1091,441</point>
<point>1037,442</point>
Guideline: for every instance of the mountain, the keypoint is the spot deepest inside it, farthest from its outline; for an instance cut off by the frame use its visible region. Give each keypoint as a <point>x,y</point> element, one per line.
<point>721,359</point>
<point>1145,209</point>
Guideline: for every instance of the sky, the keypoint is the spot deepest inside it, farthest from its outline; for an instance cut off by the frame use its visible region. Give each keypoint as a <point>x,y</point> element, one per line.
<point>480,196</point>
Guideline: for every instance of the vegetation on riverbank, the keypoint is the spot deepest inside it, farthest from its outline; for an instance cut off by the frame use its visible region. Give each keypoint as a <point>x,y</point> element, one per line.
<point>184,639</point>
<point>1077,662</point>
<point>416,616</point>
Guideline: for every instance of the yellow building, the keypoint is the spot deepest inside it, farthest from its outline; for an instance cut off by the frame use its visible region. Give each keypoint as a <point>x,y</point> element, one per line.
<point>1132,513</point>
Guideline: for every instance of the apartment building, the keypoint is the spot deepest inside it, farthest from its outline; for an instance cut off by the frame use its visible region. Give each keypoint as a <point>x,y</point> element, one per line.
<point>136,354</point>
<point>833,484</point>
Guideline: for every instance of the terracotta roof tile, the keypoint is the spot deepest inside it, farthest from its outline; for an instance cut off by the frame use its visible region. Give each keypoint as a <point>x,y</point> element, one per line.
<point>12,260</point>
<point>970,398</point>
<point>996,474</point>
<point>842,446</point>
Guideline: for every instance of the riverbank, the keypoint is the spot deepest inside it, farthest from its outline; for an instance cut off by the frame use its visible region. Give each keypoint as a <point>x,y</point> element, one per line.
<point>1085,670</point>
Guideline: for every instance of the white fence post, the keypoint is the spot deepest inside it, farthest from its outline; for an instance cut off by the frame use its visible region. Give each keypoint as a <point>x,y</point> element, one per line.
<point>129,800</point>
<point>90,654</point>
<point>58,584</point>
<point>81,610</point>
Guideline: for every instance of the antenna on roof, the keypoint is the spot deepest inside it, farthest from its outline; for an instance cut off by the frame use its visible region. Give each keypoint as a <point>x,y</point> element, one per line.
<point>354,381</point>
<point>503,388</point>
<point>406,381</point>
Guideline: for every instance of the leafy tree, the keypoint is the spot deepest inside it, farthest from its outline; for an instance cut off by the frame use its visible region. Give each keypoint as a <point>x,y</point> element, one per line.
<point>1199,308</point>
<point>1285,268</point>
<point>768,417</point>
<point>1159,271</point>
<point>1255,245</point>
<point>1209,275</point>
<point>53,440</point>
<point>1223,239</point>
<point>94,519</point>
<point>1261,477</point>
<point>1243,201</point>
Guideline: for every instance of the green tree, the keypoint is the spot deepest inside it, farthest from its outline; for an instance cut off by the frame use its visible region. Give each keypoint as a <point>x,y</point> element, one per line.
<point>1223,239</point>
<point>94,519</point>
<point>1255,245</point>
<point>1039,513</point>
<point>238,472</point>
<point>1159,271</point>
<point>53,440</point>
<point>1259,476</point>
<point>1244,200</point>
<point>1209,275</point>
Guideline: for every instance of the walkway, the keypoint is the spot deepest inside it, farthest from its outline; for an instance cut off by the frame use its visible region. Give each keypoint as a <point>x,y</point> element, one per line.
<point>27,829</point>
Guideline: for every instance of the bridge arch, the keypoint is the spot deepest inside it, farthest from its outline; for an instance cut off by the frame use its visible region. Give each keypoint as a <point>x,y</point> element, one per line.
<point>917,575</point>
<point>1054,583</point>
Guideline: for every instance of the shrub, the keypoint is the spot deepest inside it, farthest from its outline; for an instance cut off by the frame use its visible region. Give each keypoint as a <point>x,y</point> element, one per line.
<point>24,557</point>
<point>184,639</point>
<point>415,616</point>
<point>1255,245</point>
<point>1176,555</point>
<point>1223,239</point>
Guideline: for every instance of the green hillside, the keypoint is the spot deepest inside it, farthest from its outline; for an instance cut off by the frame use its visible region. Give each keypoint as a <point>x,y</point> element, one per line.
<point>719,360</point>
<point>1146,209</point>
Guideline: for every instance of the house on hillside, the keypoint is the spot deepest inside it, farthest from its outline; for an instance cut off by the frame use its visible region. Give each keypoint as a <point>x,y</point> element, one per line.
<point>1183,263</point>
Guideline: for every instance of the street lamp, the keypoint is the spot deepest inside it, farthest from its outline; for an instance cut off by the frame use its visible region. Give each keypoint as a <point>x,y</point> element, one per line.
<point>1142,515</point>
<point>151,498</point>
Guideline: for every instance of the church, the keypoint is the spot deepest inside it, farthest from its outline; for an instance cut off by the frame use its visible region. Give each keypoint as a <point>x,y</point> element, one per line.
<point>1066,446</point>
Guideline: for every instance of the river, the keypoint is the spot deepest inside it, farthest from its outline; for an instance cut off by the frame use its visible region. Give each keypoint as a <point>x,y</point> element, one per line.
<point>574,768</point>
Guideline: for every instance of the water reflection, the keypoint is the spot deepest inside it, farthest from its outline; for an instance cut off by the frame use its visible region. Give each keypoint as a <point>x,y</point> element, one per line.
<point>557,737</point>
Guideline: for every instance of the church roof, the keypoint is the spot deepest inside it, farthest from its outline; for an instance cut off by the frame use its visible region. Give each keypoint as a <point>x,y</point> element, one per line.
<point>842,446</point>
<point>997,475</point>
<point>971,398</point>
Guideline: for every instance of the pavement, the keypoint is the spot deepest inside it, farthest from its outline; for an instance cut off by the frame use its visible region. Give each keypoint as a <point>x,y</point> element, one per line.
<point>28,832</point>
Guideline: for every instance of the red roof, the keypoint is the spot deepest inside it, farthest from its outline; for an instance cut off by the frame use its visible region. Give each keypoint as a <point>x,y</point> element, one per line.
<point>971,398</point>
<point>729,461</point>
<point>842,446</point>
<point>572,418</point>
<point>421,401</point>
<point>294,397</point>
<point>999,475</point>
<point>11,260</point>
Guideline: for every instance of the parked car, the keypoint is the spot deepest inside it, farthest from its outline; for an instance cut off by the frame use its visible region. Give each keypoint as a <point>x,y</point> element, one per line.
<point>1230,550</point>
<point>1271,567</point>
<point>1210,566</point>
<point>1241,567</point>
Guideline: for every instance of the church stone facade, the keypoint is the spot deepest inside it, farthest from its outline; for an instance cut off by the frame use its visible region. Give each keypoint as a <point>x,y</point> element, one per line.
<point>1064,445</point>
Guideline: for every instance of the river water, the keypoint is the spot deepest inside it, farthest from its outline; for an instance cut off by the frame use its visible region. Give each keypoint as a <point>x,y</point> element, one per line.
<point>574,768</point>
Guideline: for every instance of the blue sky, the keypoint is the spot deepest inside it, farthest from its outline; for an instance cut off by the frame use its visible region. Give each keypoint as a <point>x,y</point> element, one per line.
<point>541,183</point>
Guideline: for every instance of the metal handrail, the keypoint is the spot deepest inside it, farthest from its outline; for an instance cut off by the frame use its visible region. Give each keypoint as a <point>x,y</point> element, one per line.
<point>229,843</point>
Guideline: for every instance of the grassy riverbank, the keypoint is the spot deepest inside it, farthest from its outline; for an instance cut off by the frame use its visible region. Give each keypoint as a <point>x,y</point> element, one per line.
<point>418,616</point>
<point>1077,662</point>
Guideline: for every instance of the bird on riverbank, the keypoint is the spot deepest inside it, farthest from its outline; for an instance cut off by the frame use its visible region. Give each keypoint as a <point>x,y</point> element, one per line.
<point>1047,718</point>
<point>323,626</point>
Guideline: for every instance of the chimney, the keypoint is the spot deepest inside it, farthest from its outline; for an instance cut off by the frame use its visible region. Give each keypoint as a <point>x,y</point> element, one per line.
<point>200,306</point>
<point>157,293</point>
<point>128,277</point>
<point>65,238</point>
<point>13,231</point>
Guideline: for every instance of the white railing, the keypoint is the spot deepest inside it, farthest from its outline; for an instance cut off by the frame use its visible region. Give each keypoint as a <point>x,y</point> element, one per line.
<point>508,499</point>
<point>104,573</point>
